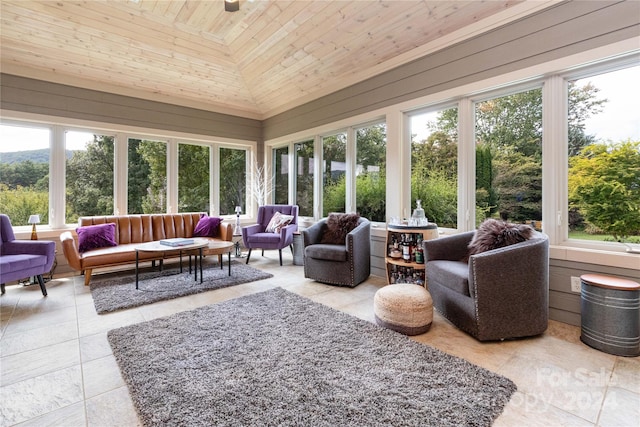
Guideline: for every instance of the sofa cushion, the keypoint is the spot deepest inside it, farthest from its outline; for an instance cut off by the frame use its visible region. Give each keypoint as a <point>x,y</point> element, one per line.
<point>494,234</point>
<point>207,226</point>
<point>326,252</point>
<point>96,236</point>
<point>278,220</point>
<point>338,225</point>
<point>451,274</point>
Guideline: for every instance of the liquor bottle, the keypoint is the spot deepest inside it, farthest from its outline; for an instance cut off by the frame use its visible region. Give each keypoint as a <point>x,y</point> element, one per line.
<point>419,250</point>
<point>406,249</point>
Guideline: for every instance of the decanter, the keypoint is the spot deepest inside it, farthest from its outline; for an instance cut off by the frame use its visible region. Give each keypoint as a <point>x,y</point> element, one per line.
<point>418,216</point>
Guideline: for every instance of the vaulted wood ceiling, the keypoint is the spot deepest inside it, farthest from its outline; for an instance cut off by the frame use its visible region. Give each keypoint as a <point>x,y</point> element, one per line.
<point>265,58</point>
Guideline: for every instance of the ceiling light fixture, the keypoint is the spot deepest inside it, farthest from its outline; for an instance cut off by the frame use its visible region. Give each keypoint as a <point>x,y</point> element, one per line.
<point>231,5</point>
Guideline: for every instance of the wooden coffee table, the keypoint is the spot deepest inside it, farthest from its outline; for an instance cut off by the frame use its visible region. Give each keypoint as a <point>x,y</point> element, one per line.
<point>161,250</point>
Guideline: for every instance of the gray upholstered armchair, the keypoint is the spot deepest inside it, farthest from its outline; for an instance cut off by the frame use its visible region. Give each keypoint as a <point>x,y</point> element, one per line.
<point>347,264</point>
<point>498,294</point>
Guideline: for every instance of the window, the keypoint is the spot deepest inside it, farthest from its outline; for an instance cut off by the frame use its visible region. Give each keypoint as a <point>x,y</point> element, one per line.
<point>604,156</point>
<point>508,136</point>
<point>334,169</point>
<point>304,177</point>
<point>233,180</point>
<point>434,165</point>
<point>89,175</point>
<point>193,178</point>
<point>147,177</point>
<point>24,173</point>
<point>371,167</point>
<point>281,175</point>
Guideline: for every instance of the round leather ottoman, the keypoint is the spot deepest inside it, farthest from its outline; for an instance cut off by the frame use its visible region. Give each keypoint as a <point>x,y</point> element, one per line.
<point>404,308</point>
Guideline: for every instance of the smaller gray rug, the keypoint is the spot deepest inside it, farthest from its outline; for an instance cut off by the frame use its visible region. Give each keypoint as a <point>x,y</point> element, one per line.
<point>117,291</point>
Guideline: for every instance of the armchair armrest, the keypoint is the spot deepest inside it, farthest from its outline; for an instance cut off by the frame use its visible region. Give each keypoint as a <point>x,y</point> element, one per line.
<point>358,240</point>
<point>250,229</point>
<point>511,283</point>
<point>70,250</point>
<point>226,232</point>
<point>33,247</point>
<point>286,234</point>
<point>313,234</point>
<point>449,248</point>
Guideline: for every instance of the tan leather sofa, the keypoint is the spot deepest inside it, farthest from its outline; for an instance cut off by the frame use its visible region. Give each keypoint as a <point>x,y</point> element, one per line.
<point>132,230</point>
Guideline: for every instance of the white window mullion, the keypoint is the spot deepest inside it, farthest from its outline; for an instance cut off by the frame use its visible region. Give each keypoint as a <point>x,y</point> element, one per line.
<point>57,178</point>
<point>466,166</point>
<point>317,181</point>
<point>120,174</point>
<point>555,159</point>
<point>214,173</point>
<point>398,179</point>
<point>172,176</point>
<point>350,190</point>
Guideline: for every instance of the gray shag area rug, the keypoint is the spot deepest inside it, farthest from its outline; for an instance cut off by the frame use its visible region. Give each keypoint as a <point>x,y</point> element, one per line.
<point>115,291</point>
<point>278,359</point>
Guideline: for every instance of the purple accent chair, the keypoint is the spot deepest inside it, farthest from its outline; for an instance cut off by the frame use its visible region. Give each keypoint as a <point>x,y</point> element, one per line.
<point>254,236</point>
<point>20,259</point>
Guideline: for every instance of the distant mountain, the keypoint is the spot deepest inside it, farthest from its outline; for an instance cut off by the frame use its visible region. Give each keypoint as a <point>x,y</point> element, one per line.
<point>36,156</point>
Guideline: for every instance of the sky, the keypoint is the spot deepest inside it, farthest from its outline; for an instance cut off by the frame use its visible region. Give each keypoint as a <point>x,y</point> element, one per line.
<point>619,120</point>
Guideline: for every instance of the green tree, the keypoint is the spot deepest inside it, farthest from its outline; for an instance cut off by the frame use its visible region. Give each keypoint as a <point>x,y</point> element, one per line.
<point>518,187</point>
<point>138,179</point>
<point>604,183</point>
<point>438,152</point>
<point>193,178</point>
<point>26,174</point>
<point>233,180</point>
<point>154,154</point>
<point>19,203</point>
<point>90,180</point>
<point>371,151</point>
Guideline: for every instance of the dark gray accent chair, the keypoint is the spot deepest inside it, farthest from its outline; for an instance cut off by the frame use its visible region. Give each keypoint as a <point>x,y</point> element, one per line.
<point>498,294</point>
<point>343,265</point>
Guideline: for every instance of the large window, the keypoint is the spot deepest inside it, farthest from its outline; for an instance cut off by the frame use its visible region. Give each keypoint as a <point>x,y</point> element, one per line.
<point>304,177</point>
<point>371,168</point>
<point>147,177</point>
<point>508,134</point>
<point>604,156</point>
<point>89,175</point>
<point>24,173</point>
<point>233,180</point>
<point>193,178</point>
<point>281,175</point>
<point>434,165</point>
<point>334,168</point>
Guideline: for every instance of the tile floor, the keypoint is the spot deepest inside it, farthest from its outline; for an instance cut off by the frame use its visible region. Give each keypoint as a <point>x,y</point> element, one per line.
<point>57,368</point>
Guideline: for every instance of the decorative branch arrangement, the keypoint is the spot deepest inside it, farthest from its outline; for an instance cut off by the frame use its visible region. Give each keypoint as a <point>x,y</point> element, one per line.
<point>262,181</point>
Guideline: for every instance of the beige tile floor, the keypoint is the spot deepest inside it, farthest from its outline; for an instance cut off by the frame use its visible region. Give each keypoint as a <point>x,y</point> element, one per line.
<point>57,368</point>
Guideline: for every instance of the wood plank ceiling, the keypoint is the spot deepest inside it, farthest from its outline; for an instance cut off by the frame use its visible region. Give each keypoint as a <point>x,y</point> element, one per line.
<point>269,56</point>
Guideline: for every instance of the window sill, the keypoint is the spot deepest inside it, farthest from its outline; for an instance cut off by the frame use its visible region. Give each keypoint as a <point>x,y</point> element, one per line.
<point>596,256</point>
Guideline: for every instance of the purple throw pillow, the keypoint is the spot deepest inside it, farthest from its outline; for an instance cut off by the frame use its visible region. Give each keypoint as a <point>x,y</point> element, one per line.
<point>96,236</point>
<point>207,226</point>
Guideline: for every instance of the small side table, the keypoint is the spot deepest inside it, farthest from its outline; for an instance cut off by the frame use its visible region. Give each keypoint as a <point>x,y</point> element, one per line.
<point>610,314</point>
<point>236,239</point>
<point>298,248</point>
